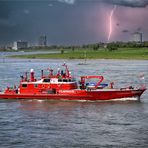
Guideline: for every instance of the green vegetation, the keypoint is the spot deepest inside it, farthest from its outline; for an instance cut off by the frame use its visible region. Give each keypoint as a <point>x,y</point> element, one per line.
<point>93,53</point>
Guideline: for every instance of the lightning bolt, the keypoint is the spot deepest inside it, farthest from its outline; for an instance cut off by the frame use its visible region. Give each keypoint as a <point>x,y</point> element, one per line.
<point>110,23</point>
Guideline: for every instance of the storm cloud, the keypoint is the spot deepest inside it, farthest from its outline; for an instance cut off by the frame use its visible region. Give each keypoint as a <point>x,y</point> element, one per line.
<point>67,1</point>
<point>128,3</point>
<point>5,9</point>
<point>70,21</point>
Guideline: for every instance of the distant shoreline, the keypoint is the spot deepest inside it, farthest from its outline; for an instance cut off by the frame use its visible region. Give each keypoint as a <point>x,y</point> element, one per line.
<point>121,53</point>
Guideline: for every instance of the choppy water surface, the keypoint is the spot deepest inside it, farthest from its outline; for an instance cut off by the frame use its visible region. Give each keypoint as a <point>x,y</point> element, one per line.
<point>48,124</point>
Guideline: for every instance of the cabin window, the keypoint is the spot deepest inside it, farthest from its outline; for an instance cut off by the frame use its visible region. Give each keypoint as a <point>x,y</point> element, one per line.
<point>35,85</point>
<point>46,80</point>
<point>24,85</point>
<point>65,80</point>
<point>59,80</point>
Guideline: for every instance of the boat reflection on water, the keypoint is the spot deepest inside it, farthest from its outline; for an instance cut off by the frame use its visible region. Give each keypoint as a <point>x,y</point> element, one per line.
<point>54,105</point>
<point>46,105</point>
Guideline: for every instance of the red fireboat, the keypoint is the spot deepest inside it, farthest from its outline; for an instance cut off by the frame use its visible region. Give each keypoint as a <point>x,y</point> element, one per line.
<point>62,86</point>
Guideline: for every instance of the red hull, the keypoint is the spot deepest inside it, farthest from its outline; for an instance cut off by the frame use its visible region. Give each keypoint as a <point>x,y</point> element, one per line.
<point>96,95</point>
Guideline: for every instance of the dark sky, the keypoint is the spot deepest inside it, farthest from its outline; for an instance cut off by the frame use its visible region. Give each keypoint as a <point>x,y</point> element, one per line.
<point>71,21</point>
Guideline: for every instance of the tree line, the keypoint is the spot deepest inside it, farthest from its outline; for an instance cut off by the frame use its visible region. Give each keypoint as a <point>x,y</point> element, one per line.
<point>95,46</point>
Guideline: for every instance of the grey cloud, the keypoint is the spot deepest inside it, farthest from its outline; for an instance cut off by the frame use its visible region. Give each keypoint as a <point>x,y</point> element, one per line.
<point>128,3</point>
<point>5,9</point>
<point>67,1</point>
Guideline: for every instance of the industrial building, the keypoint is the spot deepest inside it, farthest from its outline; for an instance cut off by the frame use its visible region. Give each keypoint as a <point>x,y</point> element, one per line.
<point>137,37</point>
<point>42,41</point>
<point>20,45</point>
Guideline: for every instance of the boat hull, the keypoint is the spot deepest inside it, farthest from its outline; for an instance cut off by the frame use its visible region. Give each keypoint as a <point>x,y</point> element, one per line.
<point>95,95</point>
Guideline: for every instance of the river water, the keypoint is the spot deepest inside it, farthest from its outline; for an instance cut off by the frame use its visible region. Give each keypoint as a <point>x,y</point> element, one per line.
<point>58,124</point>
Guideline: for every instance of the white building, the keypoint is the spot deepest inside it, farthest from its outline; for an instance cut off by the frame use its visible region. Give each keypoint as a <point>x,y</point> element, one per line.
<point>20,45</point>
<point>137,37</point>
